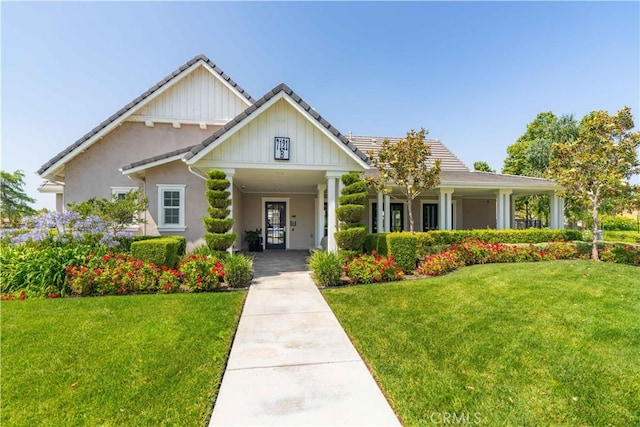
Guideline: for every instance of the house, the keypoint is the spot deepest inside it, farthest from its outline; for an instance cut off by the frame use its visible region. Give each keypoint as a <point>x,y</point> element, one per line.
<point>284,161</point>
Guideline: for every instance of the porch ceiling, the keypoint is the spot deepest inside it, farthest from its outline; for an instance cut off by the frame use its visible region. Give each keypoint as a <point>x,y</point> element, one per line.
<point>278,181</point>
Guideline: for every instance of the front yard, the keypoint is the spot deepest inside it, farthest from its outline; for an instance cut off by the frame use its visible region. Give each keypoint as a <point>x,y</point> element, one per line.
<point>112,361</point>
<point>551,343</point>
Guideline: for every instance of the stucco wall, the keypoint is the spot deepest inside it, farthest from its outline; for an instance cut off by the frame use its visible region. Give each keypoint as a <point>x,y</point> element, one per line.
<point>301,206</point>
<point>479,213</point>
<point>94,172</point>
<point>195,200</point>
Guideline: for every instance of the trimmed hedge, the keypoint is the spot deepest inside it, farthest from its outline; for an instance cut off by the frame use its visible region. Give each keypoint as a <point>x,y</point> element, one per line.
<point>352,232</point>
<point>351,239</point>
<point>164,251</point>
<point>403,246</point>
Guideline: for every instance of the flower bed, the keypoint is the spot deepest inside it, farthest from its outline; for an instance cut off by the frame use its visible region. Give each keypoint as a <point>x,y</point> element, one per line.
<point>371,268</point>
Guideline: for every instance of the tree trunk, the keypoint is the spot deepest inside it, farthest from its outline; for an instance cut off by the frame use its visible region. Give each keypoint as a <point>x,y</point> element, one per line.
<point>594,242</point>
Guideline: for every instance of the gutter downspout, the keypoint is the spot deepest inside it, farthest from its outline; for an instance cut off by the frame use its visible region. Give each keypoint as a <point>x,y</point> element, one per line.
<point>196,173</point>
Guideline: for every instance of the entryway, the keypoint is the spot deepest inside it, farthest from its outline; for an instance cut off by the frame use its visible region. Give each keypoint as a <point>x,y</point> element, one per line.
<point>276,262</point>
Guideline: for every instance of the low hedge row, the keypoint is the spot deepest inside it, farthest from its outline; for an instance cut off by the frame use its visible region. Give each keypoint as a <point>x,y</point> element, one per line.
<point>162,251</point>
<point>407,247</point>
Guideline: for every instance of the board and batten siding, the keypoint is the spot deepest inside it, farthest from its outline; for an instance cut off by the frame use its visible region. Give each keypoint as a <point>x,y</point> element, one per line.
<point>200,96</point>
<point>254,142</point>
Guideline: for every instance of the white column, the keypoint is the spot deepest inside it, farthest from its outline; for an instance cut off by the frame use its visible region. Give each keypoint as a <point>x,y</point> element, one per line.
<point>503,205</point>
<point>320,215</point>
<point>445,213</point>
<point>340,187</point>
<point>230,173</point>
<point>379,216</point>
<point>553,214</point>
<point>561,213</point>
<point>512,207</point>
<point>387,213</point>
<point>331,213</point>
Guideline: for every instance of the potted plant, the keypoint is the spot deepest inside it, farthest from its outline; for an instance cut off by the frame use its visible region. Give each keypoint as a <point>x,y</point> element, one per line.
<point>254,238</point>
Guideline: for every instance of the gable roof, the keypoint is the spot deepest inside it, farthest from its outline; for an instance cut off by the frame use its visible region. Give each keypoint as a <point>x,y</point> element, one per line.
<point>121,114</point>
<point>449,161</point>
<point>281,88</point>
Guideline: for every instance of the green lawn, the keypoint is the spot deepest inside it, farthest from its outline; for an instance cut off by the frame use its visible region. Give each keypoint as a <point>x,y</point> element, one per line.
<point>549,343</point>
<point>114,361</point>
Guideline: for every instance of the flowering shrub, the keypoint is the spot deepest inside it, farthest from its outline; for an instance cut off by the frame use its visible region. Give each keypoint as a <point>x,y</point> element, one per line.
<point>200,273</point>
<point>372,268</point>
<point>170,280</point>
<point>562,250</point>
<point>622,254</point>
<point>66,227</point>
<point>474,251</point>
<point>112,274</point>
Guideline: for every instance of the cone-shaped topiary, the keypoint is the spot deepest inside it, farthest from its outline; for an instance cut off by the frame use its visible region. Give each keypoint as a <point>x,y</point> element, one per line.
<point>352,234</point>
<point>217,223</point>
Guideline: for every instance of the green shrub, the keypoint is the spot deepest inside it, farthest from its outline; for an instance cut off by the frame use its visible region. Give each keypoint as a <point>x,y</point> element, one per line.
<point>376,242</point>
<point>326,268</point>
<point>218,212</point>
<point>238,270</point>
<point>352,199</point>
<point>618,223</point>
<point>162,252</point>
<point>351,239</point>
<point>220,242</point>
<point>350,213</point>
<point>201,250</point>
<point>622,236</point>
<point>216,174</point>
<point>217,225</point>
<point>40,271</point>
<point>218,184</point>
<point>403,246</point>
<point>621,254</point>
<point>200,273</point>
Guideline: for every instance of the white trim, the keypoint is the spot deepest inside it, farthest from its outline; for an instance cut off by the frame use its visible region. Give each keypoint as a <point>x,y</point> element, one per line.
<point>287,201</point>
<point>123,190</point>
<point>152,164</point>
<point>153,120</point>
<point>181,188</point>
<point>111,126</point>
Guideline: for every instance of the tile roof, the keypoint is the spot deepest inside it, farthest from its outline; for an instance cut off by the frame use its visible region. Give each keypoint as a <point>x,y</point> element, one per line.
<point>252,109</point>
<point>137,101</point>
<point>438,150</point>
<point>477,177</point>
<point>159,157</point>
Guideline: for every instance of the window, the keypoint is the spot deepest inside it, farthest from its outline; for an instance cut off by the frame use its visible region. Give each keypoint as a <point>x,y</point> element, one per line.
<point>429,216</point>
<point>171,207</point>
<point>397,217</point>
<point>121,192</point>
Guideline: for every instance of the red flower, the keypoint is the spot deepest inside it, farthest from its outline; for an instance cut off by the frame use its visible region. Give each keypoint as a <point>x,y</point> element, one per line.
<point>23,296</point>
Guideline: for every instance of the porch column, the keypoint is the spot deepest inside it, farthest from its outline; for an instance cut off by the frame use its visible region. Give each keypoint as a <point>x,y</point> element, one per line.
<point>331,211</point>
<point>503,205</point>
<point>512,220</point>
<point>387,213</point>
<point>444,209</point>
<point>556,216</point>
<point>320,215</point>
<point>379,216</point>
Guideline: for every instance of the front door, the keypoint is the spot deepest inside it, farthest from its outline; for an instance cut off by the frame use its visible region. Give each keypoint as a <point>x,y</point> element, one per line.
<point>275,224</point>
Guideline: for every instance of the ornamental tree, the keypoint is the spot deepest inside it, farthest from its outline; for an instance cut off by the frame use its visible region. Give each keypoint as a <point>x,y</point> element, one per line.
<point>352,232</point>
<point>595,168</point>
<point>118,213</point>
<point>407,164</point>
<point>14,202</point>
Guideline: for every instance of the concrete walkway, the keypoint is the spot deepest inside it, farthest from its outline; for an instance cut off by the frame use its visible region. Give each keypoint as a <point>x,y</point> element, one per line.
<point>291,362</point>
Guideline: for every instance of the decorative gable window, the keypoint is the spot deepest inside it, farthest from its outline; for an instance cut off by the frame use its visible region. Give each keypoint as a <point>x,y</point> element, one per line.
<point>171,207</point>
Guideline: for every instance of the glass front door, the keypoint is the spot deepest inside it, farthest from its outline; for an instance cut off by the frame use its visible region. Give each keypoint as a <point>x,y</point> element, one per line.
<point>276,222</point>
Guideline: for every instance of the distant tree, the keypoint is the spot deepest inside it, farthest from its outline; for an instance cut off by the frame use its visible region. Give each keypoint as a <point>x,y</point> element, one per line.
<point>482,166</point>
<point>596,167</point>
<point>407,164</point>
<point>531,154</point>
<point>118,213</point>
<point>14,201</point>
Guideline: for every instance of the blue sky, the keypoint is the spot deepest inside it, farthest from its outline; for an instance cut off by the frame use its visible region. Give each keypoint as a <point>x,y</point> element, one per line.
<point>472,73</point>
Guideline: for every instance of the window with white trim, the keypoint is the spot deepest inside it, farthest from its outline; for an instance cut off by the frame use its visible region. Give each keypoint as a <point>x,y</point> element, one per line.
<point>121,192</point>
<point>171,207</point>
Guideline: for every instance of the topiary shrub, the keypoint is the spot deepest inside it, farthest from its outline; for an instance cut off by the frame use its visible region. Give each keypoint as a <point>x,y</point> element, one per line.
<point>352,234</point>
<point>217,223</point>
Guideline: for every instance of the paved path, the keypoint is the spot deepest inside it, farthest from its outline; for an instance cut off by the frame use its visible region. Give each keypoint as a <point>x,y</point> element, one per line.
<point>291,362</point>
